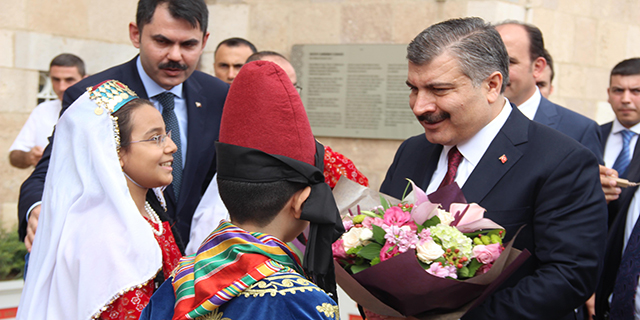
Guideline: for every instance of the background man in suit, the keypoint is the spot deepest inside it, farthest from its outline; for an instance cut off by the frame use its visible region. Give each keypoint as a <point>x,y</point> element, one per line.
<point>230,55</point>
<point>171,35</point>
<point>546,77</point>
<point>504,162</point>
<point>621,153</point>
<point>526,62</point>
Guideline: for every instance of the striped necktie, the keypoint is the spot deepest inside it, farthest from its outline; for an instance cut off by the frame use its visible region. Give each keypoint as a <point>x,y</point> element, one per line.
<point>171,121</point>
<point>624,158</point>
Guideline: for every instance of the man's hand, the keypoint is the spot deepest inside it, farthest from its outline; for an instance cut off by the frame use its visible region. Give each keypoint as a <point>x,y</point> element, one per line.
<point>609,185</point>
<point>32,225</point>
<point>21,159</point>
<point>591,306</point>
<point>34,155</point>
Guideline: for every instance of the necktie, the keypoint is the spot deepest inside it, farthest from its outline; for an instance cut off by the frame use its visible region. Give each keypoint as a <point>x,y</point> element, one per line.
<point>171,121</point>
<point>455,157</point>
<point>624,158</point>
<point>625,286</point>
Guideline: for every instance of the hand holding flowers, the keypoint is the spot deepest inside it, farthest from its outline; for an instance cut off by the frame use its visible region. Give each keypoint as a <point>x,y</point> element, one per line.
<point>418,258</point>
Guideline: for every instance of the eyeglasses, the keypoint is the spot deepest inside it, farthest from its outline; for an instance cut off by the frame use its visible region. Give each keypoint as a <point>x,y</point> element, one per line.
<point>159,139</point>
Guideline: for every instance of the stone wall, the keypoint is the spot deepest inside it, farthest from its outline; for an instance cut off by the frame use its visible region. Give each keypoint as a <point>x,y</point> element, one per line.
<point>586,38</point>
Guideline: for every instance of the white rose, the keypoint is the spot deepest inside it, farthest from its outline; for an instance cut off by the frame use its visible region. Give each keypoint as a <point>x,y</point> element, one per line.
<point>351,239</point>
<point>366,234</point>
<point>445,217</point>
<point>429,251</point>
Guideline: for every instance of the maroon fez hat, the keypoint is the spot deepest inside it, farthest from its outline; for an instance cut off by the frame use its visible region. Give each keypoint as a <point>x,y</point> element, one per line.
<point>263,111</point>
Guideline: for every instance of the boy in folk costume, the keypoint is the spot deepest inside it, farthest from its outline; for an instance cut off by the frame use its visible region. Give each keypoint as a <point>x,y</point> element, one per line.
<point>271,180</point>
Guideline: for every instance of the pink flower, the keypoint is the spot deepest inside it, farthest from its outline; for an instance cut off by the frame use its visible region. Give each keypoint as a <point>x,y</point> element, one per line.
<point>394,216</point>
<point>388,251</point>
<point>369,221</point>
<point>338,250</point>
<point>487,254</point>
<point>484,269</point>
<point>425,235</point>
<point>403,236</point>
<point>348,224</point>
<point>438,270</point>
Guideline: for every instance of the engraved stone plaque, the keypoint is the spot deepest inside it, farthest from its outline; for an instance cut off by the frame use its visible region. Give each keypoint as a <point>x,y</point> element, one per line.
<point>356,91</point>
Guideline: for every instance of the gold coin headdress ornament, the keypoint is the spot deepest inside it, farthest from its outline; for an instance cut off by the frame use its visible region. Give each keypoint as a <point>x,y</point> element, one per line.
<point>110,96</point>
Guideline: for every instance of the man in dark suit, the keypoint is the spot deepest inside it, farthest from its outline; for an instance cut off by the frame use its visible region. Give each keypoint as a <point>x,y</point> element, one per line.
<point>525,46</point>
<point>171,35</point>
<point>621,158</point>
<point>522,172</point>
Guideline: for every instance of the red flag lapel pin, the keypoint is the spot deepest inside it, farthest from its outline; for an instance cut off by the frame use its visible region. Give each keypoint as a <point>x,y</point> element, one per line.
<point>503,158</point>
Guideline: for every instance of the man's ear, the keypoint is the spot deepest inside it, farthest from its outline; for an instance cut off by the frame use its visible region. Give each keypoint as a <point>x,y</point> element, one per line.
<point>493,85</point>
<point>538,66</point>
<point>298,199</point>
<point>134,34</point>
<point>204,40</point>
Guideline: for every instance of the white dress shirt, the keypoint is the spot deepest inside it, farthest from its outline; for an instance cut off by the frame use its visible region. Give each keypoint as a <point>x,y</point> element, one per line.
<point>530,107</point>
<point>180,105</point>
<point>38,127</point>
<point>614,142</point>
<point>472,151</point>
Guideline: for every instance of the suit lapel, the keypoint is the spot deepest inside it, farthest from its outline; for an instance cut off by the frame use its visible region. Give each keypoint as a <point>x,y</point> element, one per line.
<point>503,153</point>
<point>133,79</point>
<point>431,158</point>
<point>547,114</point>
<point>196,120</point>
<point>605,130</point>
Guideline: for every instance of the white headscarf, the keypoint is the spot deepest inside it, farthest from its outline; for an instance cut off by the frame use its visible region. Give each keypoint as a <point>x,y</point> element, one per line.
<point>92,244</point>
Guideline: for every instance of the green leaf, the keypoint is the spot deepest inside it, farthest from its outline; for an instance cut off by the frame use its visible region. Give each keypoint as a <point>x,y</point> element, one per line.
<point>354,250</point>
<point>357,268</point>
<point>434,221</point>
<point>473,267</point>
<point>370,251</point>
<point>385,204</point>
<point>378,234</point>
<point>486,233</point>
<point>463,273</point>
<point>404,194</point>
<point>375,261</point>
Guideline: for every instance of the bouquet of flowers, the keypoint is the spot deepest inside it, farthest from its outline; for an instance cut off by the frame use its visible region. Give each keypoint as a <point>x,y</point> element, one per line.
<point>416,256</point>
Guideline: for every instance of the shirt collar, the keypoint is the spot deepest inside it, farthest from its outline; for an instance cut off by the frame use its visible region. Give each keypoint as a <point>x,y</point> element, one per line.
<point>153,89</point>
<point>617,127</point>
<point>530,107</point>
<point>474,148</point>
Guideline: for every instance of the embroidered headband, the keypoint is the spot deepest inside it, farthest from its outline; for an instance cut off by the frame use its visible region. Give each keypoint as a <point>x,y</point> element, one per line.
<point>110,96</point>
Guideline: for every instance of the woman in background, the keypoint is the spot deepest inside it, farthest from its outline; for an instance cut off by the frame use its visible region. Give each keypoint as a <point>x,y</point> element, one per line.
<point>101,247</point>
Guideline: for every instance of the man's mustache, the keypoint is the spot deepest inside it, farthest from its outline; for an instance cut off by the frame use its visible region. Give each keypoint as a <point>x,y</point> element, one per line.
<point>433,117</point>
<point>172,65</point>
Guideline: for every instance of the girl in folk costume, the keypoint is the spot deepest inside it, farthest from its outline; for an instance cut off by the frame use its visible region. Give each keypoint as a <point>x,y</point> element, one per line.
<point>100,247</point>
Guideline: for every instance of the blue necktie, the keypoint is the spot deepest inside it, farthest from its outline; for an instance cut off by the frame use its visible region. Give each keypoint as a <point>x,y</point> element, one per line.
<point>624,158</point>
<point>625,286</point>
<point>171,121</point>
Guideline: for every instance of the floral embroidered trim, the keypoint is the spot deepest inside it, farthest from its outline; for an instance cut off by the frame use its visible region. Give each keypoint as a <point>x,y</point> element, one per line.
<point>280,284</point>
<point>214,315</point>
<point>120,293</point>
<point>329,310</point>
